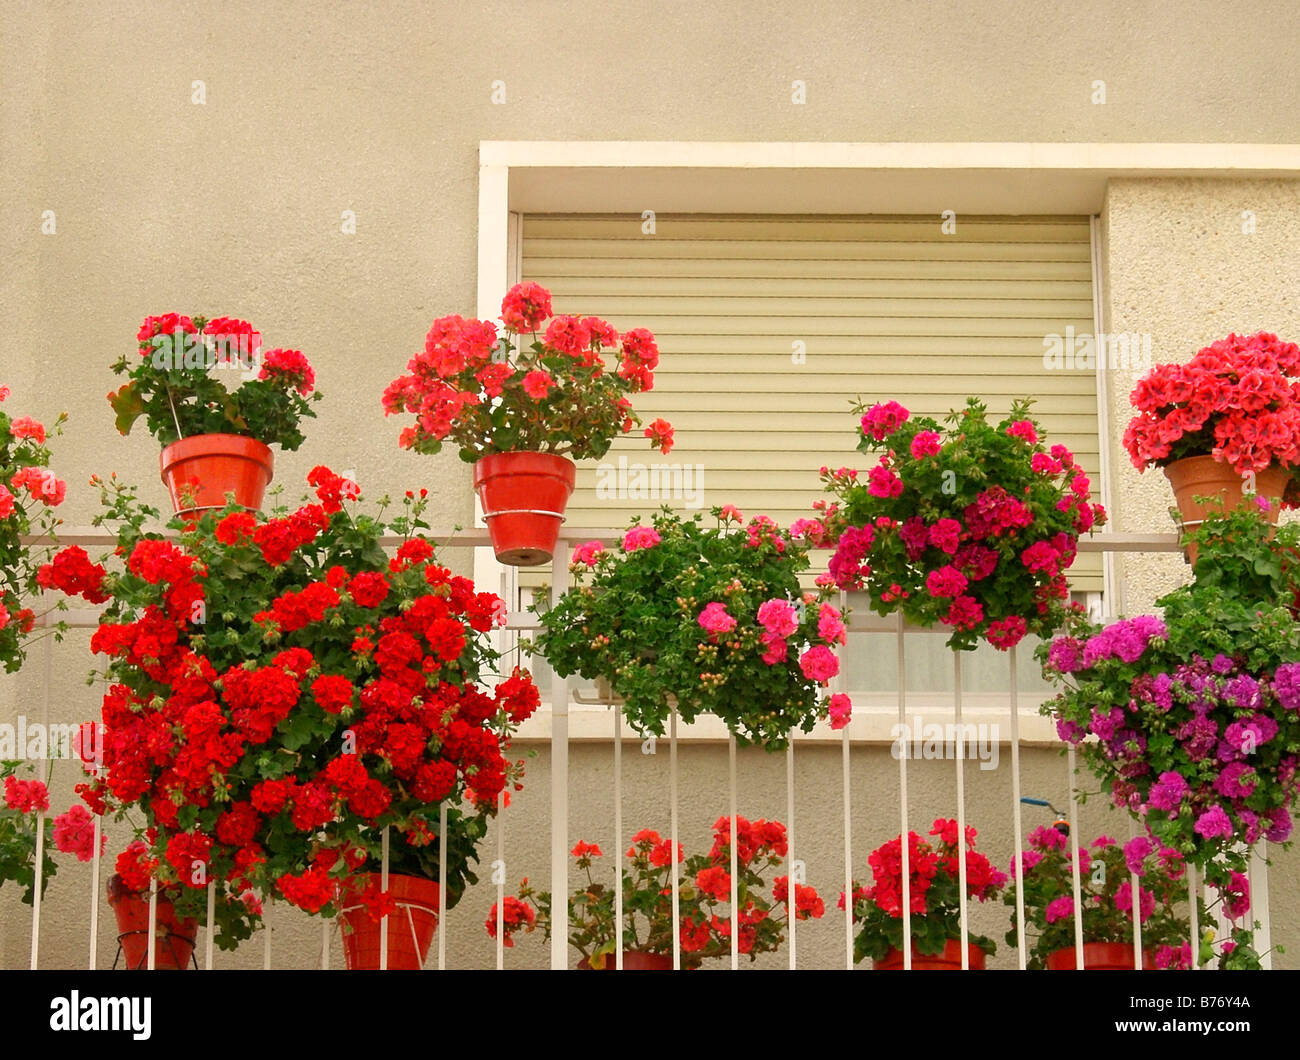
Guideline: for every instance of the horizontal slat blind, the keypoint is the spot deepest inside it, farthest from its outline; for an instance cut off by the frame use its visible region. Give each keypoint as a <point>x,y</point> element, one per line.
<point>768,327</point>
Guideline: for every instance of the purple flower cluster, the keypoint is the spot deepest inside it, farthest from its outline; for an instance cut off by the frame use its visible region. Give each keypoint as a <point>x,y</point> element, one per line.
<point>1125,640</point>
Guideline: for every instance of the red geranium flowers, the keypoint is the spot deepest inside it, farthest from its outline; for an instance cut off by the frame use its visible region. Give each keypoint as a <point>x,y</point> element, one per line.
<point>267,747</point>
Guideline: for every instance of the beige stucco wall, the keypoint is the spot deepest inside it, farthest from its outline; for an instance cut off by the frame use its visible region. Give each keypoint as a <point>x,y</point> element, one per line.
<point>1182,265</point>
<point>234,206</point>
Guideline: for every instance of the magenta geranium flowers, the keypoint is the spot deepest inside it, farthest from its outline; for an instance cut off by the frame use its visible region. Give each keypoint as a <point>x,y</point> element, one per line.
<point>973,528</point>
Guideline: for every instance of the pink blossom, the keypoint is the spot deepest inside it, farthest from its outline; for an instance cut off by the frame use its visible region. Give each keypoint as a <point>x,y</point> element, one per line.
<point>819,664</point>
<point>715,619</point>
<point>778,618</point>
<point>1023,429</point>
<point>74,833</point>
<point>777,649</point>
<point>840,710</point>
<point>640,537</point>
<point>830,625</point>
<point>883,483</point>
<point>926,443</point>
<point>945,582</point>
<point>588,553</point>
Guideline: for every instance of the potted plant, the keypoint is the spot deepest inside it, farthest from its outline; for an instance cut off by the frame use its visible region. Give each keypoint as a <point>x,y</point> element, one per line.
<point>29,491</point>
<point>128,895</point>
<point>1106,898</point>
<point>1228,419</point>
<point>704,927</point>
<point>216,440</point>
<point>1194,719</point>
<point>521,414</point>
<point>973,527</point>
<point>23,807</point>
<point>933,902</point>
<point>282,693</point>
<point>709,620</point>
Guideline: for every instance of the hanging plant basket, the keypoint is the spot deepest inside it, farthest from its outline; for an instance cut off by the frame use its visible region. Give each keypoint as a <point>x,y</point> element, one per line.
<point>173,936</point>
<point>523,497</point>
<point>410,927</point>
<point>200,470</point>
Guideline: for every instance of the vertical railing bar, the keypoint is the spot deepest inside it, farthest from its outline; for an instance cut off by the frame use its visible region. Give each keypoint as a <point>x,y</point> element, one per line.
<point>266,937</point>
<point>560,784</point>
<point>1018,822</point>
<point>1135,910</point>
<point>1192,894</point>
<point>210,935</point>
<point>442,886</point>
<point>672,837</point>
<point>94,890</point>
<point>1074,856</point>
<point>848,848</point>
<point>151,961</point>
<point>499,871</point>
<point>1258,876</point>
<point>618,837</point>
<point>735,900</point>
<point>36,894</point>
<point>383,886</point>
<point>905,841</point>
<point>325,946</point>
<point>791,906</point>
<point>960,752</point>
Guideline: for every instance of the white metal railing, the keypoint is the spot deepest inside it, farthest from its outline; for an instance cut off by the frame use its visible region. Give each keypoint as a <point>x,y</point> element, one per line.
<point>859,626</point>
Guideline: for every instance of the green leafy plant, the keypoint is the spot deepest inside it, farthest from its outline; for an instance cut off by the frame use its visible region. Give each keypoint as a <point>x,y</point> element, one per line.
<point>972,527</point>
<point>175,382</point>
<point>29,492</point>
<point>704,898</point>
<point>1195,717</point>
<point>1106,897</point>
<point>711,620</point>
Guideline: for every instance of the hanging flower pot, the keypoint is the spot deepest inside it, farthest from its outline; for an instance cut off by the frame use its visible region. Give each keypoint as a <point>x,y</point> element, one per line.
<point>634,961</point>
<point>410,926</point>
<point>947,961</point>
<point>1099,956</point>
<point>200,470</point>
<point>1203,476</point>
<point>173,936</point>
<point>524,496</point>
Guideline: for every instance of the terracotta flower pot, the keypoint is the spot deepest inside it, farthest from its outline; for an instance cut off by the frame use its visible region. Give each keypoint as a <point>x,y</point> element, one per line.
<point>1203,476</point>
<point>410,927</point>
<point>211,465</point>
<point>635,961</point>
<point>173,937</point>
<point>1099,956</point>
<point>947,961</point>
<point>524,496</point>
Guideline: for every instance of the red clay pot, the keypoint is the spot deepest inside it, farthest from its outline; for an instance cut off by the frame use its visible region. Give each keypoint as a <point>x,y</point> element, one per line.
<point>523,497</point>
<point>212,465</point>
<point>173,939</point>
<point>410,927</point>
<point>635,961</point>
<point>1099,957</point>
<point>1203,476</point>
<point>947,961</point>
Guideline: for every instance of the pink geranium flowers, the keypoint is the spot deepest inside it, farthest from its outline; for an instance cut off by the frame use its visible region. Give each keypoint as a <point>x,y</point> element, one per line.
<point>973,526</point>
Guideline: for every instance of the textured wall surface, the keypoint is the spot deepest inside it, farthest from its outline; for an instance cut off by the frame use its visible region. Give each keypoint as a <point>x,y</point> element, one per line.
<point>1181,267</point>
<point>234,206</point>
